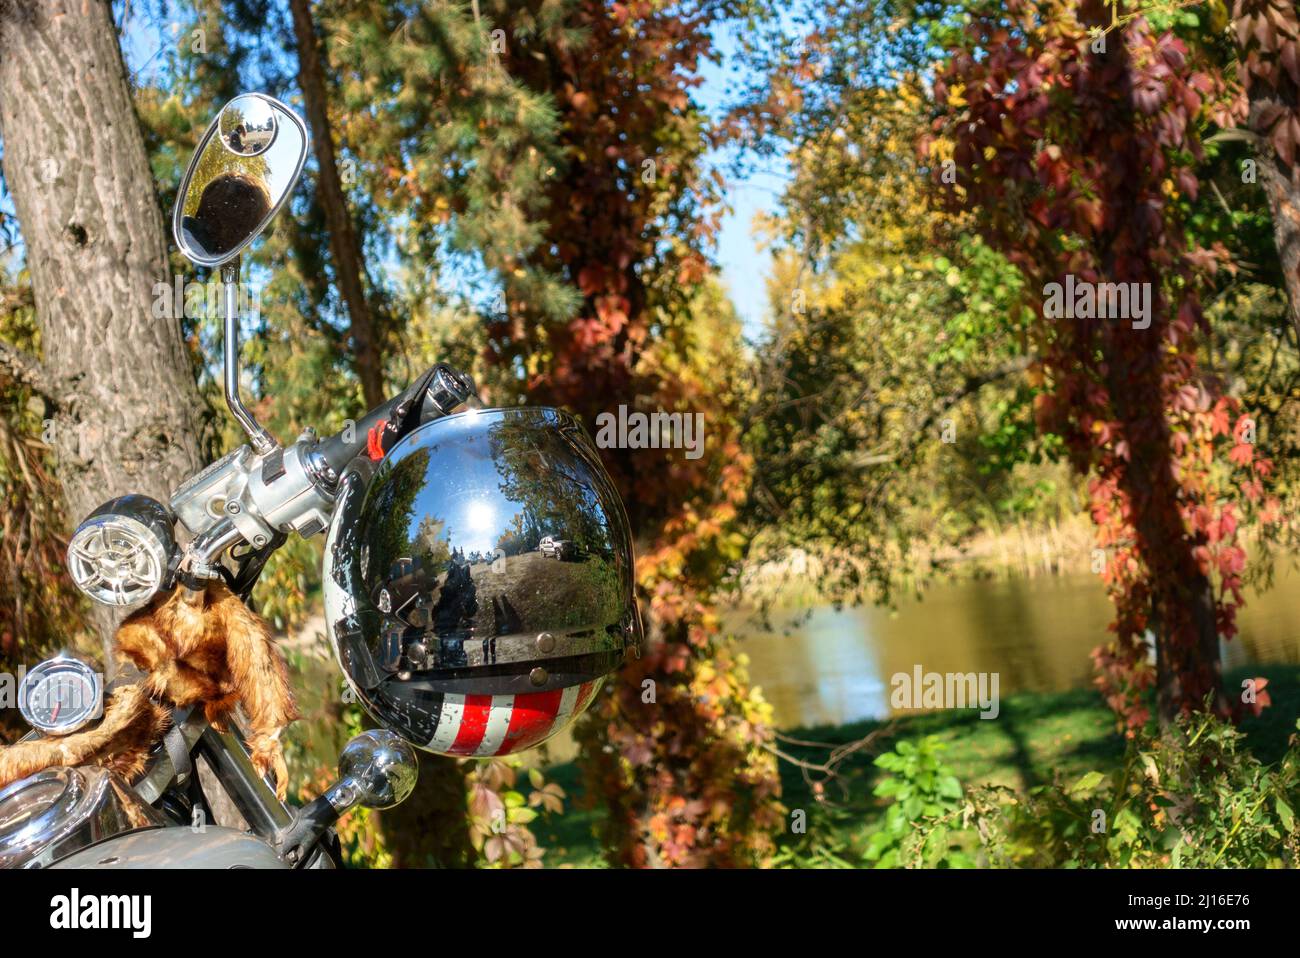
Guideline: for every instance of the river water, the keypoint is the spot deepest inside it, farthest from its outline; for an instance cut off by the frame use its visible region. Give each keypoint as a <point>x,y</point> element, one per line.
<point>831,667</point>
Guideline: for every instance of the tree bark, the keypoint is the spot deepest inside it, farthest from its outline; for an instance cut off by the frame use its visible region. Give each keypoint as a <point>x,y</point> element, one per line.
<point>1268,54</point>
<point>127,413</point>
<point>1282,187</point>
<point>349,265</point>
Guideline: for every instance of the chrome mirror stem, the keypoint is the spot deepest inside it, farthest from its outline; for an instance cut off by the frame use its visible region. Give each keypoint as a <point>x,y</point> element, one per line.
<point>263,442</point>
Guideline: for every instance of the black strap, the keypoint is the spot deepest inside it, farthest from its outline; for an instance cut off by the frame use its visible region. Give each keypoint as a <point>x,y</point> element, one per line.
<point>174,743</point>
<point>408,412</point>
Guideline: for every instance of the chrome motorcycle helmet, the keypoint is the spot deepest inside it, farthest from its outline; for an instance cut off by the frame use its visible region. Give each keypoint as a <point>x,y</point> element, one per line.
<point>479,581</point>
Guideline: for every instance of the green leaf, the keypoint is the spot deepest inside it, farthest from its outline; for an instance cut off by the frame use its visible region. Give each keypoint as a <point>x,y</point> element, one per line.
<point>1086,784</point>
<point>949,787</point>
<point>521,816</point>
<point>1284,813</point>
<point>886,788</point>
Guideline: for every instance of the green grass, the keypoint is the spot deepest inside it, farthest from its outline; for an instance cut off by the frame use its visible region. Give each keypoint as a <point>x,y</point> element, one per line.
<point>1035,738</point>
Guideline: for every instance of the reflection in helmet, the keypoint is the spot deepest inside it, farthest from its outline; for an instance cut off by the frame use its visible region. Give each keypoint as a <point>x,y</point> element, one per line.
<point>479,581</point>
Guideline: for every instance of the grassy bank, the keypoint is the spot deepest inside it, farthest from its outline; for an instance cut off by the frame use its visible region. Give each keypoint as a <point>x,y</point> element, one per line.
<point>1036,737</point>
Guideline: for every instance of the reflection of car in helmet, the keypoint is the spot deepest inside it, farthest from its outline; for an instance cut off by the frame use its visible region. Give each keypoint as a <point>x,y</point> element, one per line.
<point>564,549</point>
<point>449,617</point>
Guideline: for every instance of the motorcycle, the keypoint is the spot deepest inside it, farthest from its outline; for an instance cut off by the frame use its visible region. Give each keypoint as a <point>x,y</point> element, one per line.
<point>449,622</point>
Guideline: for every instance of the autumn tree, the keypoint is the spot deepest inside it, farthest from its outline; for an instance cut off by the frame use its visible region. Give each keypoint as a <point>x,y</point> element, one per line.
<point>1071,143</point>
<point>1268,39</point>
<point>560,142</point>
<point>891,412</point>
<point>115,379</point>
<point>677,746</point>
<point>349,264</point>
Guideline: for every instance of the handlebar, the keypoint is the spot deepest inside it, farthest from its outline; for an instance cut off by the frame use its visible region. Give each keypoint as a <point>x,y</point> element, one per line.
<point>337,452</point>
<point>259,499</point>
<point>442,388</point>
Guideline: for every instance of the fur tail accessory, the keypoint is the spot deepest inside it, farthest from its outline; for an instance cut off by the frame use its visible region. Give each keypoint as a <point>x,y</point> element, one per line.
<point>121,741</point>
<point>197,647</point>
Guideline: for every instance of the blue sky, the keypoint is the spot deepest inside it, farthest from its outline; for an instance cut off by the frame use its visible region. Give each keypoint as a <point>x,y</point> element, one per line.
<point>744,266</point>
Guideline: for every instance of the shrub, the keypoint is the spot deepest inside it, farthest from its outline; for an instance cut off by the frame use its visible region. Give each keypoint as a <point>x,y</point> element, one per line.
<point>1190,797</point>
<point>918,827</point>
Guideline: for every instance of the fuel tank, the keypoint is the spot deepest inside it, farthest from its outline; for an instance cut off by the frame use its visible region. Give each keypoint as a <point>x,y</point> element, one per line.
<point>177,847</point>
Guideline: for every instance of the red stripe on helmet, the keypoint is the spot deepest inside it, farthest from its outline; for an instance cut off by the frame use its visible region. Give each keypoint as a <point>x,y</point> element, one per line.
<point>531,720</point>
<point>473,724</point>
<point>584,696</point>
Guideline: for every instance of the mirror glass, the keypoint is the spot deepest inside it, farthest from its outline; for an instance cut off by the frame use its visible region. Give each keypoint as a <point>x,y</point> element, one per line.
<point>248,126</point>
<point>242,172</point>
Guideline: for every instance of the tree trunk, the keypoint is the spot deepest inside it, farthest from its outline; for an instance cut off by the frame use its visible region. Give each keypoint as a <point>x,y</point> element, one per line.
<point>1268,54</point>
<point>1282,187</point>
<point>429,829</point>
<point>125,406</point>
<point>349,266</point>
<point>1182,614</point>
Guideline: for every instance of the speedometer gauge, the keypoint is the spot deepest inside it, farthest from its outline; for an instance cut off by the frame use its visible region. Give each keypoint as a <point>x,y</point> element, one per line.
<point>61,695</point>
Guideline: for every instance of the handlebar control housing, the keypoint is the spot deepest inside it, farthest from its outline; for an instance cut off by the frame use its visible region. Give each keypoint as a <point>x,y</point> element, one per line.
<point>258,495</point>
<point>294,489</point>
<point>253,497</point>
<point>121,558</point>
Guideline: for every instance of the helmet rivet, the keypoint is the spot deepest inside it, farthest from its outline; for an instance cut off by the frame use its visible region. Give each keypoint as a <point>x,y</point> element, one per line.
<point>537,676</point>
<point>546,643</point>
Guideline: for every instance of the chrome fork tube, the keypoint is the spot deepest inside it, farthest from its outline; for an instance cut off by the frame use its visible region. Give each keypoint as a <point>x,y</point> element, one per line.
<point>265,814</point>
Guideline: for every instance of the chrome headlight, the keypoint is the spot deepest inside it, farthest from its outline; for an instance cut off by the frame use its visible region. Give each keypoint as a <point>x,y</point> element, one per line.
<point>122,554</point>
